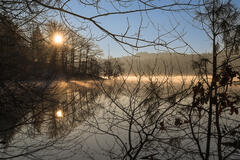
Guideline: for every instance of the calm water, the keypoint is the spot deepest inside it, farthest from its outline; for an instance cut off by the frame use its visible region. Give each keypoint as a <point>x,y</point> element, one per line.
<point>114,119</point>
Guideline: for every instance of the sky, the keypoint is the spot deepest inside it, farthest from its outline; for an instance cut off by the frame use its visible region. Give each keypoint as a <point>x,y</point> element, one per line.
<point>154,23</point>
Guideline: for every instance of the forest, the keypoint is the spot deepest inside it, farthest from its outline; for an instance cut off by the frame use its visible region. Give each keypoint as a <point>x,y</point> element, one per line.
<point>35,53</point>
<point>161,63</point>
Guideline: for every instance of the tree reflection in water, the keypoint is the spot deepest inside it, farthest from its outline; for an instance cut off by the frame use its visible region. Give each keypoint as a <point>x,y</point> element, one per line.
<point>75,102</point>
<point>33,120</point>
<point>113,119</point>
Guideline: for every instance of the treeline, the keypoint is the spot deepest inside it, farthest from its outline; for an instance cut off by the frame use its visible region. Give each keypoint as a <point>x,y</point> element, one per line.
<point>32,53</point>
<point>163,63</point>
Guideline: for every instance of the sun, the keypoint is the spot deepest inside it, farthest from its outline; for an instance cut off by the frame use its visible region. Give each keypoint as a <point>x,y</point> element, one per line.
<point>59,113</point>
<point>58,39</point>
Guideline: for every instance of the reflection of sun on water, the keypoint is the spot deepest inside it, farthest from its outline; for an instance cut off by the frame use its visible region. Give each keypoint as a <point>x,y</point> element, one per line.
<point>59,113</point>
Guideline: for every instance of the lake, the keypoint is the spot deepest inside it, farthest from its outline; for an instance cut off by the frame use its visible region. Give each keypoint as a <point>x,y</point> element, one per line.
<point>124,118</point>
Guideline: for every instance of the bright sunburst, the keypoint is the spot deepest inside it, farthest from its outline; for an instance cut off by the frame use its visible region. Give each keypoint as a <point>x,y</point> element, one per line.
<point>58,39</point>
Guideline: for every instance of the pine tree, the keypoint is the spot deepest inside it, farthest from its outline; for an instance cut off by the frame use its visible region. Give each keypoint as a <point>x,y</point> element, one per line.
<point>37,44</point>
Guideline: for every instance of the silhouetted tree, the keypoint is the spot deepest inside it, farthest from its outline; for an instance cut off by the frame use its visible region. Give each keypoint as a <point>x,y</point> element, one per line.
<point>38,46</point>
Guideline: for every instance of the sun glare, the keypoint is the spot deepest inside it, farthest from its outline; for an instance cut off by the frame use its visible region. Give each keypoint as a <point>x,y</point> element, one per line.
<point>58,39</point>
<point>59,113</point>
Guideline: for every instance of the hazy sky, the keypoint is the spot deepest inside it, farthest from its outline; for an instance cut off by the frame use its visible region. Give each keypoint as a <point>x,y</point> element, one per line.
<point>162,20</point>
